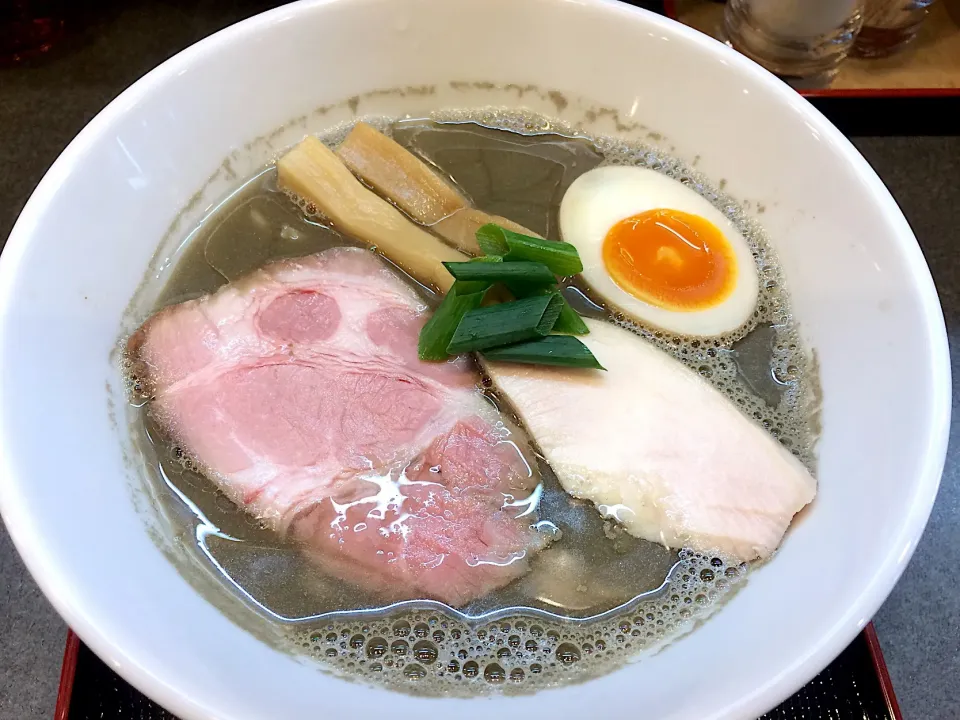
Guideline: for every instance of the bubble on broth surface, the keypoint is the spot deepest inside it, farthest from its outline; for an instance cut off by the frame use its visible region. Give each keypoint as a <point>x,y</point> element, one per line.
<point>428,649</point>
<point>521,652</point>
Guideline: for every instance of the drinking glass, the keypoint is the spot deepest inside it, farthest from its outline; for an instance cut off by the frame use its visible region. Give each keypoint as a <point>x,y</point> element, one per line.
<point>802,41</point>
<point>888,25</point>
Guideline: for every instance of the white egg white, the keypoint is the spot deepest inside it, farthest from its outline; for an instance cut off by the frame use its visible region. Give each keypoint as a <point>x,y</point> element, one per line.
<point>602,197</point>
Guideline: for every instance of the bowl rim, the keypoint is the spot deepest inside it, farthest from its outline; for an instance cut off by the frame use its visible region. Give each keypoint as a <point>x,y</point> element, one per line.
<point>820,652</point>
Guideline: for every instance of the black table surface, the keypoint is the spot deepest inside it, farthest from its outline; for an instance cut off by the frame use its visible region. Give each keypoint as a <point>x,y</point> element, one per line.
<point>113,42</point>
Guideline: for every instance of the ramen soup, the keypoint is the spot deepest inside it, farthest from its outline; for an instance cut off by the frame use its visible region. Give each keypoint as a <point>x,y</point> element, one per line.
<point>471,405</point>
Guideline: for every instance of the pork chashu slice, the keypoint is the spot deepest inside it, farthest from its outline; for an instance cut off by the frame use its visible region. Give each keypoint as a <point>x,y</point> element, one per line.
<point>660,447</point>
<point>299,392</point>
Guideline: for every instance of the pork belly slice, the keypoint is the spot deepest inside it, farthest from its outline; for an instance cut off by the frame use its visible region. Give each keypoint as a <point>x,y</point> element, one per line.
<point>299,392</point>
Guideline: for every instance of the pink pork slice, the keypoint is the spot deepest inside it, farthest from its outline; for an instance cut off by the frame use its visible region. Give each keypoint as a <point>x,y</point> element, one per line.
<point>298,390</point>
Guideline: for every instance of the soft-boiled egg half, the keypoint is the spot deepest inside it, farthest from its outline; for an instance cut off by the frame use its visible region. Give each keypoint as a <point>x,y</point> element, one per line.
<point>657,251</point>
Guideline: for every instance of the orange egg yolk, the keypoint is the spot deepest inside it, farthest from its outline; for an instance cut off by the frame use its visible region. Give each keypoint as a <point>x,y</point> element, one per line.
<point>671,259</point>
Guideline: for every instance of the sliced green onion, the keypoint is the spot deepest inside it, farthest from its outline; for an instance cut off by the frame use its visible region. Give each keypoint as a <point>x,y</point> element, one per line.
<point>487,259</point>
<point>559,350</point>
<point>469,288</point>
<point>492,241</point>
<point>506,323</point>
<point>562,258</point>
<point>439,329</point>
<point>569,320</point>
<point>511,274</point>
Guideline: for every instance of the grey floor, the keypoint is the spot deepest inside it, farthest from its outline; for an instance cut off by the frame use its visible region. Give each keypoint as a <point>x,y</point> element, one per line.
<point>43,107</point>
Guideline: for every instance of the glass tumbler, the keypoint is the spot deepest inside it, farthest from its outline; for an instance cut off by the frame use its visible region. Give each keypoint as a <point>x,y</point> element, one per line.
<point>888,25</point>
<point>802,41</point>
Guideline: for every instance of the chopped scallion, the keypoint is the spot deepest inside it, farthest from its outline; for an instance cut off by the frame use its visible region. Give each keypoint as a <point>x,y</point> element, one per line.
<point>569,320</point>
<point>492,241</point>
<point>558,350</point>
<point>439,329</point>
<point>506,323</point>
<point>511,274</point>
<point>562,258</point>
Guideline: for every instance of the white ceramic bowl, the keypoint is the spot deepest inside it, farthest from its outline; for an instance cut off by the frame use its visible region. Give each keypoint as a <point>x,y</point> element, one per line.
<point>859,283</point>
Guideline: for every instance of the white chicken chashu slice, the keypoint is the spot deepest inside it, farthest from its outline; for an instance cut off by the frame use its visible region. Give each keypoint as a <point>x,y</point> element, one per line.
<point>653,436</point>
